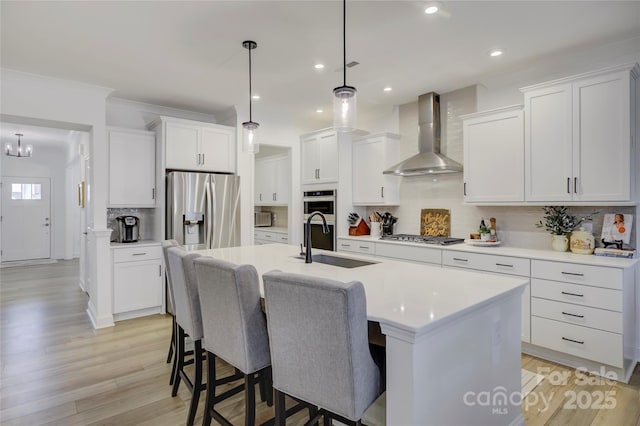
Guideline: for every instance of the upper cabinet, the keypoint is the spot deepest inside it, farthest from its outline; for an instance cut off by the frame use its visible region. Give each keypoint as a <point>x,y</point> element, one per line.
<point>132,168</point>
<point>494,156</point>
<point>198,146</point>
<point>273,180</point>
<point>320,157</point>
<point>371,156</point>
<point>579,138</point>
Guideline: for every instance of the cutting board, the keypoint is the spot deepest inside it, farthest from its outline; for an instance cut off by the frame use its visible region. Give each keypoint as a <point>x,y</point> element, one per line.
<point>435,222</point>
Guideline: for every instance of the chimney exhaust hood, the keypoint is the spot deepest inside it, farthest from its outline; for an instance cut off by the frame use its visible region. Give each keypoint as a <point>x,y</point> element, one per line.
<point>428,161</point>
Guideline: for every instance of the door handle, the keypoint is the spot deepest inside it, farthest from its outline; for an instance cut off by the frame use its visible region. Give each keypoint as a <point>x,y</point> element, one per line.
<point>575,185</point>
<point>382,191</point>
<point>568,185</point>
<point>153,193</point>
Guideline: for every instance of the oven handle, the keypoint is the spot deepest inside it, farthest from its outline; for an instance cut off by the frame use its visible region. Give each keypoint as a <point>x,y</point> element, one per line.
<point>312,199</point>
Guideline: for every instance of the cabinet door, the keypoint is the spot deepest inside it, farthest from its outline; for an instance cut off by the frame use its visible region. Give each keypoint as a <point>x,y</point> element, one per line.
<point>137,285</point>
<point>494,157</point>
<point>328,158</point>
<point>368,164</point>
<point>310,159</point>
<point>282,180</point>
<point>217,150</point>
<point>132,168</point>
<point>182,142</point>
<point>262,183</point>
<point>602,139</point>
<point>548,144</point>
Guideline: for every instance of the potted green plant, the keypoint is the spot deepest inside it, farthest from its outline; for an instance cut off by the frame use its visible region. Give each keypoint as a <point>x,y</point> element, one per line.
<point>559,222</point>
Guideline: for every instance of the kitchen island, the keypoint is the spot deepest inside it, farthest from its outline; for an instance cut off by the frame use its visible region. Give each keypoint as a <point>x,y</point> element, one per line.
<point>452,337</point>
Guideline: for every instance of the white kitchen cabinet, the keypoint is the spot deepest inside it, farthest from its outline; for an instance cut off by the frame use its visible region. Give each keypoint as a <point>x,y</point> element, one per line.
<point>371,156</point>
<point>270,236</point>
<point>138,288</point>
<point>272,181</point>
<point>503,265</point>
<point>197,146</point>
<point>494,156</point>
<point>132,168</point>
<point>349,245</point>
<point>319,157</point>
<point>579,138</point>
<point>586,311</point>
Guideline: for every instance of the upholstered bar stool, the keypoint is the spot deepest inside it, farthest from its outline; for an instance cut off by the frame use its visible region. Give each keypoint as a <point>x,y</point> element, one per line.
<point>171,356</point>
<point>189,321</point>
<point>319,346</point>
<point>234,329</point>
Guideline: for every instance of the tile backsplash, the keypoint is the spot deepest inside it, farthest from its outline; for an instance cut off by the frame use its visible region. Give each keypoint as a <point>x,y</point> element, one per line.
<point>279,215</point>
<point>146,217</point>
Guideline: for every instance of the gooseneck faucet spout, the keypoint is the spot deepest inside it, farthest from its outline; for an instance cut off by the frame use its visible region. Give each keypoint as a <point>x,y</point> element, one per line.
<point>307,239</point>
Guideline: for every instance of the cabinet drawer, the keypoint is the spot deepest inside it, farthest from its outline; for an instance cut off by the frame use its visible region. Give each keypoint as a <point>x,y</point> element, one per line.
<point>596,345</point>
<point>357,246</point>
<point>580,274</point>
<point>487,262</point>
<point>134,254</point>
<point>576,314</point>
<point>577,294</point>
<point>282,238</point>
<point>416,254</point>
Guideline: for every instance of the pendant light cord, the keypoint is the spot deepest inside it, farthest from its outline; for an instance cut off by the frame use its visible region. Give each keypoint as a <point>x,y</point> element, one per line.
<point>250,119</point>
<point>344,40</point>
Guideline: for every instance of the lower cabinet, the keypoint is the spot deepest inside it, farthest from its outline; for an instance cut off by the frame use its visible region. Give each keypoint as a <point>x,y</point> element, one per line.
<point>137,281</point>
<point>583,310</point>
<point>261,237</point>
<point>502,265</point>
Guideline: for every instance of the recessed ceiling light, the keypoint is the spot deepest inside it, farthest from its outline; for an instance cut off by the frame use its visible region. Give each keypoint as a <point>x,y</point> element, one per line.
<point>319,110</point>
<point>387,89</point>
<point>318,66</point>
<point>496,52</point>
<point>256,97</point>
<point>430,10</point>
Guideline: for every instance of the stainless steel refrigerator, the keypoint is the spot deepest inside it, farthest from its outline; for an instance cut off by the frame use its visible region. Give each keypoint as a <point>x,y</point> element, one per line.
<point>203,209</point>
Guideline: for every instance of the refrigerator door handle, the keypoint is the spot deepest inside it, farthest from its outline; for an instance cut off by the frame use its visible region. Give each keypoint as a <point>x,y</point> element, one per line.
<point>208,203</point>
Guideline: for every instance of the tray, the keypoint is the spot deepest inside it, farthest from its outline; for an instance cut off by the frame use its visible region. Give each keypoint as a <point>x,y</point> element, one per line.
<point>480,243</point>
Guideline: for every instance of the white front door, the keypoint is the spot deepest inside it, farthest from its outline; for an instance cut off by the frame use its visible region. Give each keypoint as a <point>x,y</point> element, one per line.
<point>26,219</point>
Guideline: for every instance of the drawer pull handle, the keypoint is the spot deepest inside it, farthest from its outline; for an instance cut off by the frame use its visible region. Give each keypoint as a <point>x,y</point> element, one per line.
<point>574,341</point>
<point>138,254</point>
<point>572,315</point>
<point>364,247</point>
<point>345,245</point>
<point>504,264</point>
<point>572,294</point>
<point>573,273</point>
<point>460,260</point>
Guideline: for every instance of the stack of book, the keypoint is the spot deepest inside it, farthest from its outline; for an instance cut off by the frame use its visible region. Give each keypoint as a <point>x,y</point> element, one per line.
<point>628,253</point>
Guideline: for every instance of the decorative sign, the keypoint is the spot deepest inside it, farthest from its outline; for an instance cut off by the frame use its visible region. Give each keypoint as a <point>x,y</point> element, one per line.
<point>435,222</point>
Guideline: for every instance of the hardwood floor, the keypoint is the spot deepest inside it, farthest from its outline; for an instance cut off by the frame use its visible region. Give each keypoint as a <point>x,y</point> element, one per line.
<point>57,370</point>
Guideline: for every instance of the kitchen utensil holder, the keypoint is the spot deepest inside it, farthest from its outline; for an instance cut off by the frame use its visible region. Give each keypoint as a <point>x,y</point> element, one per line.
<point>387,229</point>
<point>376,229</point>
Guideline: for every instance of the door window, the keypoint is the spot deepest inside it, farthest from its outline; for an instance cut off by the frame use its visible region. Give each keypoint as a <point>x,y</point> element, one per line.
<point>26,191</point>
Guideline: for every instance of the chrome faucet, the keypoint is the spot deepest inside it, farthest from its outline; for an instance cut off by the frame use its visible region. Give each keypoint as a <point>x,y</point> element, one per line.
<point>307,240</point>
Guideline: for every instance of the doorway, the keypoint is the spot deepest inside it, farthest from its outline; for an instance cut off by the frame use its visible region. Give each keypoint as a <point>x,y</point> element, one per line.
<point>26,218</point>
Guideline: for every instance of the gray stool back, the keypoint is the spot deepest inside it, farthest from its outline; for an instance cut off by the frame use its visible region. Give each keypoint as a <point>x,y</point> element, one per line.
<point>319,342</point>
<point>185,291</point>
<point>233,323</point>
<point>166,245</point>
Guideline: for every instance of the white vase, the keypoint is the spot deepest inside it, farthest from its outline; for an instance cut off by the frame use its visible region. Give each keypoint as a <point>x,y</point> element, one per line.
<point>559,242</point>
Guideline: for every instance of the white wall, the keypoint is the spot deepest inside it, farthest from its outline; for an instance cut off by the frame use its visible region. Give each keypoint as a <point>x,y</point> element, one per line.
<point>137,115</point>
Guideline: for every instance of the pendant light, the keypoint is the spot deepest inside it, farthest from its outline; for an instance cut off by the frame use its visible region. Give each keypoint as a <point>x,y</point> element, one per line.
<point>344,101</point>
<point>19,152</point>
<point>250,142</point>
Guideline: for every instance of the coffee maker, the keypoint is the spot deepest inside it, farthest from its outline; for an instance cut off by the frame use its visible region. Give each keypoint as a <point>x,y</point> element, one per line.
<point>127,229</point>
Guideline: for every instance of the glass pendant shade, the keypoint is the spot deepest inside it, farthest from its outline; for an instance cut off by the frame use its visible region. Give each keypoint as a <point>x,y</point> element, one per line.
<point>345,108</point>
<point>250,142</point>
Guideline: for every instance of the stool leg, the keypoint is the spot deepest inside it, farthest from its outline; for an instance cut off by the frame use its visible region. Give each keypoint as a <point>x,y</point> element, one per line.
<point>281,415</point>
<point>173,338</point>
<point>174,349</point>
<point>250,400</point>
<point>211,388</point>
<point>179,360</point>
<point>197,382</point>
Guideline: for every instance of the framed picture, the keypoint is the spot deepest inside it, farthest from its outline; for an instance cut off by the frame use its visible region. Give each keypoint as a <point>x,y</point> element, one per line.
<point>617,227</point>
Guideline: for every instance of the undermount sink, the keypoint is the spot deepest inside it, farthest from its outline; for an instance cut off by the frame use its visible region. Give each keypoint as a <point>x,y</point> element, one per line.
<point>342,262</point>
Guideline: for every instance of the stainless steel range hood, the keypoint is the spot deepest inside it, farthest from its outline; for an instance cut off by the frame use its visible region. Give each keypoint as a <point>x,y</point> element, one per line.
<point>429,160</point>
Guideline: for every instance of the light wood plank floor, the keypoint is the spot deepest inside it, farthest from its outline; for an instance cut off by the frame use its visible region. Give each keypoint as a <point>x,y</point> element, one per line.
<point>57,370</point>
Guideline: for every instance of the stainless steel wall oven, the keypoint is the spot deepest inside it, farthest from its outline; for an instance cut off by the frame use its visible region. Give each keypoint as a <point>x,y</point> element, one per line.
<point>325,203</point>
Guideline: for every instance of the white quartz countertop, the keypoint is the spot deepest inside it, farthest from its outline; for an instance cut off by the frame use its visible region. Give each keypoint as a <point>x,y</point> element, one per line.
<point>410,296</point>
<point>515,252</point>
<point>140,243</point>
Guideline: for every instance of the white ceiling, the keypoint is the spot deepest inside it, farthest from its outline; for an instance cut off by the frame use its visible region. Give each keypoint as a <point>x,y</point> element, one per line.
<point>189,54</point>
<point>33,135</point>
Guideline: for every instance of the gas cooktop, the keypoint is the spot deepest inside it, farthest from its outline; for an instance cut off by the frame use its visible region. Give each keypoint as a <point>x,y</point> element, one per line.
<point>423,239</point>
